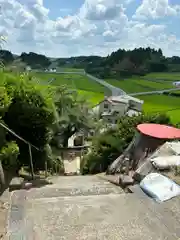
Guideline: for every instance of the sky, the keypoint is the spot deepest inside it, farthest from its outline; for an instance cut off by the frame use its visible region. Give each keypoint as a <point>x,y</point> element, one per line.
<point>64,28</point>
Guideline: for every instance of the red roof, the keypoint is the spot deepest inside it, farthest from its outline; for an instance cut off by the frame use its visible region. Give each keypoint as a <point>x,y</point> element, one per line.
<point>159,131</point>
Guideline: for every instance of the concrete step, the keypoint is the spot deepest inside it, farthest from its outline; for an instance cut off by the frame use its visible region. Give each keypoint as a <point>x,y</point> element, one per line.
<point>75,186</point>
<point>110,216</point>
<point>167,212</point>
<point>99,211</point>
<point>16,183</point>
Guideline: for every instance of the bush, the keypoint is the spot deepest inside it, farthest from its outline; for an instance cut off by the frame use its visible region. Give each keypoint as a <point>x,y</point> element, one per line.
<point>30,115</point>
<point>8,156</point>
<point>109,145</point>
<point>5,101</point>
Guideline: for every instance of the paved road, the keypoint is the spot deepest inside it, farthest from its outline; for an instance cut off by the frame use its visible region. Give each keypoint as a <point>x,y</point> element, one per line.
<point>154,92</point>
<point>115,90</point>
<point>87,207</point>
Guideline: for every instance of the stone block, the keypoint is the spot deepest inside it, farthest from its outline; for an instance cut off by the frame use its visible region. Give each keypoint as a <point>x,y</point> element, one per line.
<point>125,180</point>
<point>16,184</point>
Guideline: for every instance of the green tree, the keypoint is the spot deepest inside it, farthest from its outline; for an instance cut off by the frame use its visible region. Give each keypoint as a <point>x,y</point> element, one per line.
<point>107,146</point>
<point>73,115</point>
<point>6,57</point>
<point>30,115</point>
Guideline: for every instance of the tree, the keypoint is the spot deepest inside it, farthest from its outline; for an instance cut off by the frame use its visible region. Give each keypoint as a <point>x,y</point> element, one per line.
<point>31,107</point>
<point>125,68</point>
<point>35,60</point>
<point>4,105</point>
<point>73,115</point>
<point>129,62</point>
<point>110,144</point>
<point>6,57</point>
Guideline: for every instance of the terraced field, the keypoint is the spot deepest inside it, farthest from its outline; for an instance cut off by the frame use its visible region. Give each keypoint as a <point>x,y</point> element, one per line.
<point>162,103</point>
<point>91,90</point>
<point>153,103</point>
<point>163,76</point>
<point>92,97</point>
<point>70,69</point>
<point>74,81</point>
<point>139,85</point>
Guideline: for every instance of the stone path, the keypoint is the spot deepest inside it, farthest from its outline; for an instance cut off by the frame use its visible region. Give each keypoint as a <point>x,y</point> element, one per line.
<point>88,207</point>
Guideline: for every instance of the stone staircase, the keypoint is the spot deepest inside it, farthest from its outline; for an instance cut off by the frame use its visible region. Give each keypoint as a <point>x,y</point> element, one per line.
<point>89,207</point>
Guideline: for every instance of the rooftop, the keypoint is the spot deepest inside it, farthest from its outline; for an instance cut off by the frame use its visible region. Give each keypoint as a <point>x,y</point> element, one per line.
<point>124,98</point>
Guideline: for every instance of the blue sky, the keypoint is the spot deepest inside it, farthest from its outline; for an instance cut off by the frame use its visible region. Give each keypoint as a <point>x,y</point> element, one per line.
<point>62,7</point>
<point>63,28</point>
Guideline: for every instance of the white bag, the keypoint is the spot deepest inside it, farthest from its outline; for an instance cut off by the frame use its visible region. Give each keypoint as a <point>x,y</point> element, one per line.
<point>163,163</point>
<point>175,146</point>
<point>159,187</point>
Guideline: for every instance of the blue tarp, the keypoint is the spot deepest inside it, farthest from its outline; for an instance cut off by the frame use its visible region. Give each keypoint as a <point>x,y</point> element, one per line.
<point>159,187</point>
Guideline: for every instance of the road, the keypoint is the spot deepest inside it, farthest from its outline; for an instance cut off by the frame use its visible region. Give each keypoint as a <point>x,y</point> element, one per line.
<point>154,92</point>
<point>115,91</point>
<point>88,207</point>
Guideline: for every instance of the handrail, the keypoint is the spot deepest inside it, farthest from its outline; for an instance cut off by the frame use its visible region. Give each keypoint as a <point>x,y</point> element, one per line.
<point>17,136</point>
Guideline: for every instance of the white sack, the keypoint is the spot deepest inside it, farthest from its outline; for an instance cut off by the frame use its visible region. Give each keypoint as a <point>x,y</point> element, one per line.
<point>163,163</point>
<point>175,146</point>
<point>159,187</point>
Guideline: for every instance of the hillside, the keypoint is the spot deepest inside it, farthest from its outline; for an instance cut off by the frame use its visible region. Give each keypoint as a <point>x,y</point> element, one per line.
<point>150,71</point>
<point>119,64</point>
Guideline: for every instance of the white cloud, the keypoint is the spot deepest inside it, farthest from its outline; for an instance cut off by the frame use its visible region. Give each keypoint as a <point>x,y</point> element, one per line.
<point>100,9</point>
<point>39,11</point>
<point>31,2</point>
<point>155,9</point>
<point>99,27</point>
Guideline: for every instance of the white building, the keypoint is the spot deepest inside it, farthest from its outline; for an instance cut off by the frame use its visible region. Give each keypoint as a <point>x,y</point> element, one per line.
<point>176,84</point>
<point>113,107</point>
<point>28,68</point>
<point>52,70</point>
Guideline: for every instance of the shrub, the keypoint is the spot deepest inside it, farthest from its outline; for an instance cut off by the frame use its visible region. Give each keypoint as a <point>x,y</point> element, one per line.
<point>109,145</point>
<point>5,101</point>
<point>8,156</point>
<point>30,115</point>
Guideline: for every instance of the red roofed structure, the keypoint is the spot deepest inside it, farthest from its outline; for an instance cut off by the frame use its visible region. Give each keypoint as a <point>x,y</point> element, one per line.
<point>148,138</point>
<point>159,131</point>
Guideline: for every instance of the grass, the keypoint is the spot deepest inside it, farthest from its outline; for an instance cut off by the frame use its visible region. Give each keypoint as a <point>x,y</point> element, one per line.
<point>132,85</point>
<point>64,69</point>
<point>74,81</point>
<point>90,90</point>
<point>162,103</point>
<point>92,97</point>
<point>163,76</point>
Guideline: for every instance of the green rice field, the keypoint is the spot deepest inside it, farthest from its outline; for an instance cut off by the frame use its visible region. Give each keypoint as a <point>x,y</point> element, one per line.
<point>74,81</point>
<point>162,103</point>
<point>65,69</point>
<point>163,76</point>
<point>92,97</point>
<point>94,92</point>
<point>132,85</point>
